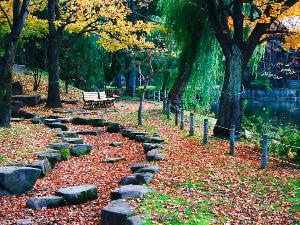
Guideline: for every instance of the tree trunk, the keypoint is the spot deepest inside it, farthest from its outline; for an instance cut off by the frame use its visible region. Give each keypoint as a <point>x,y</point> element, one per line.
<point>131,78</point>
<point>54,41</point>
<point>6,64</point>
<point>230,109</point>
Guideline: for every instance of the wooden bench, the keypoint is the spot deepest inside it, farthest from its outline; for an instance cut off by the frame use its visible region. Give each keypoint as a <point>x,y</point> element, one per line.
<point>97,99</point>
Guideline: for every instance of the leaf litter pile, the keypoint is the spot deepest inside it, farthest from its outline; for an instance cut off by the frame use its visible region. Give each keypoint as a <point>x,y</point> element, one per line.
<point>197,184</point>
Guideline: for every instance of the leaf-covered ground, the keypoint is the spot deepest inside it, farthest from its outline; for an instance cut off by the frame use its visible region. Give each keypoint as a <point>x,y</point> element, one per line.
<point>198,184</point>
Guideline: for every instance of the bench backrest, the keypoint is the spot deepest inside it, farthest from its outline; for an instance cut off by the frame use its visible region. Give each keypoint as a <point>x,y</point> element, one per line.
<point>102,95</point>
<point>90,96</point>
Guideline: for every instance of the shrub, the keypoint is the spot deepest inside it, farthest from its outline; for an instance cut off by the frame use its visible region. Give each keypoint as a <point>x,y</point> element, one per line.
<point>65,154</point>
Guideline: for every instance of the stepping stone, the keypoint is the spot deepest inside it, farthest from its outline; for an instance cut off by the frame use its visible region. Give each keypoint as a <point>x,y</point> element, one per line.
<point>141,138</point>
<point>144,178</point>
<point>45,202</point>
<point>155,140</point>
<point>149,146</point>
<point>68,134</point>
<point>24,222</point>
<point>28,100</point>
<point>58,146</point>
<point>129,180</point>
<point>81,149</point>
<point>70,101</point>
<point>78,194</point>
<point>44,165</point>
<point>37,120</point>
<point>137,166</point>
<point>116,213</point>
<point>18,180</point>
<point>149,169</point>
<point>155,155</point>
<point>19,163</point>
<point>47,121</point>
<point>16,120</point>
<point>136,133</point>
<point>57,125</point>
<point>65,120</point>
<point>114,128</point>
<point>53,157</point>
<point>116,144</point>
<point>89,132</point>
<point>73,140</point>
<point>113,160</point>
<point>130,191</point>
<point>135,220</point>
<point>127,132</point>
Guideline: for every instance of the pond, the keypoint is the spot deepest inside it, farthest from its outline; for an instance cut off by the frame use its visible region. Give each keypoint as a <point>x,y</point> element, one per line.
<point>277,112</point>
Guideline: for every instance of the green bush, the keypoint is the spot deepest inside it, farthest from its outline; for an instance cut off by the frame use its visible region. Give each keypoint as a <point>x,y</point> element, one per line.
<point>65,154</point>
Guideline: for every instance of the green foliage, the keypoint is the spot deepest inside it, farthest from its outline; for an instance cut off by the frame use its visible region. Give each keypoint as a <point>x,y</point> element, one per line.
<point>65,154</point>
<point>262,82</point>
<point>281,138</point>
<point>169,209</point>
<point>295,201</point>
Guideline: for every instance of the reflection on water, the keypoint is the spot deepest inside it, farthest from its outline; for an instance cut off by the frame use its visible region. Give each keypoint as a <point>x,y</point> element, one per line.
<point>276,111</point>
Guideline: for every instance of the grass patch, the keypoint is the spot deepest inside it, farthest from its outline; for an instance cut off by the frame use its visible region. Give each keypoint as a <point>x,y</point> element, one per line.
<point>168,209</point>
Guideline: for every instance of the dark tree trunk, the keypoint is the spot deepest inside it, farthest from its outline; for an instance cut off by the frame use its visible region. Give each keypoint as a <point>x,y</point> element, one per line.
<point>20,13</point>
<point>230,109</point>
<point>53,48</point>
<point>142,98</point>
<point>131,77</point>
<point>119,80</point>
<point>6,84</point>
<point>53,100</point>
<point>187,59</point>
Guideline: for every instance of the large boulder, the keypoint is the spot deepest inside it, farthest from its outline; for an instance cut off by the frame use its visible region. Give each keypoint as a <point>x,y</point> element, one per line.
<point>116,213</point>
<point>53,157</point>
<point>80,149</point>
<point>18,180</point>
<point>78,194</point>
<point>45,202</point>
<point>128,180</point>
<point>44,165</point>
<point>130,191</point>
<point>28,100</point>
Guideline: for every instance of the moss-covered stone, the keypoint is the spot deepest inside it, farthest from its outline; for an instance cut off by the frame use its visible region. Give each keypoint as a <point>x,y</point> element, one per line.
<point>114,128</point>
<point>65,154</point>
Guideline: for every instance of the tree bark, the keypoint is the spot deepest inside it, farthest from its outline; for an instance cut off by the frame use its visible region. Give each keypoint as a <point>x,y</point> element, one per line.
<point>230,109</point>
<point>53,100</point>
<point>131,77</point>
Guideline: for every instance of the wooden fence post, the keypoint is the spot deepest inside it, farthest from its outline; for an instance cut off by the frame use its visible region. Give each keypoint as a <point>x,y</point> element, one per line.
<point>181,119</point>
<point>264,151</point>
<point>205,132</point>
<point>232,140</point>
<point>192,124</point>
<point>176,117</point>
<point>159,95</point>
<point>154,95</point>
<point>169,110</point>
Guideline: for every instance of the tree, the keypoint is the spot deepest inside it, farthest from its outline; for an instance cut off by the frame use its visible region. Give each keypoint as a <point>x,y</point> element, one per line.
<point>240,26</point>
<point>14,13</point>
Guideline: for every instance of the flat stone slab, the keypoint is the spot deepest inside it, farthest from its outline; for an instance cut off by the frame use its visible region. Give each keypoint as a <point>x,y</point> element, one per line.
<point>150,146</point>
<point>114,128</point>
<point>155,140</point>
<point>44,165</point>
<point>58,146</point>
<point>130,191</point>
<point>141,137</point>
<point>144,178</point>
<point>73,140</point>
<point>52,121</point>
<point>127,132</point>
<point>53,157</point>
<point>137,166</point>
<point>129,180</point>
<point>68,134</point>
<point>116,144</point>
<point>149,169</point>
<point>24,222</point>
<point>75,195</point>
<point>45,202</point>
<point>155,155</point>
<point>65,120</point>
<point>28,100</point>
<point>116,213</point>
<point>18,180</point>
<point>89,132</point>
<point>57,125</point>
<point>81,149</point>
<point>133,135</point>
<point>113,160</point>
